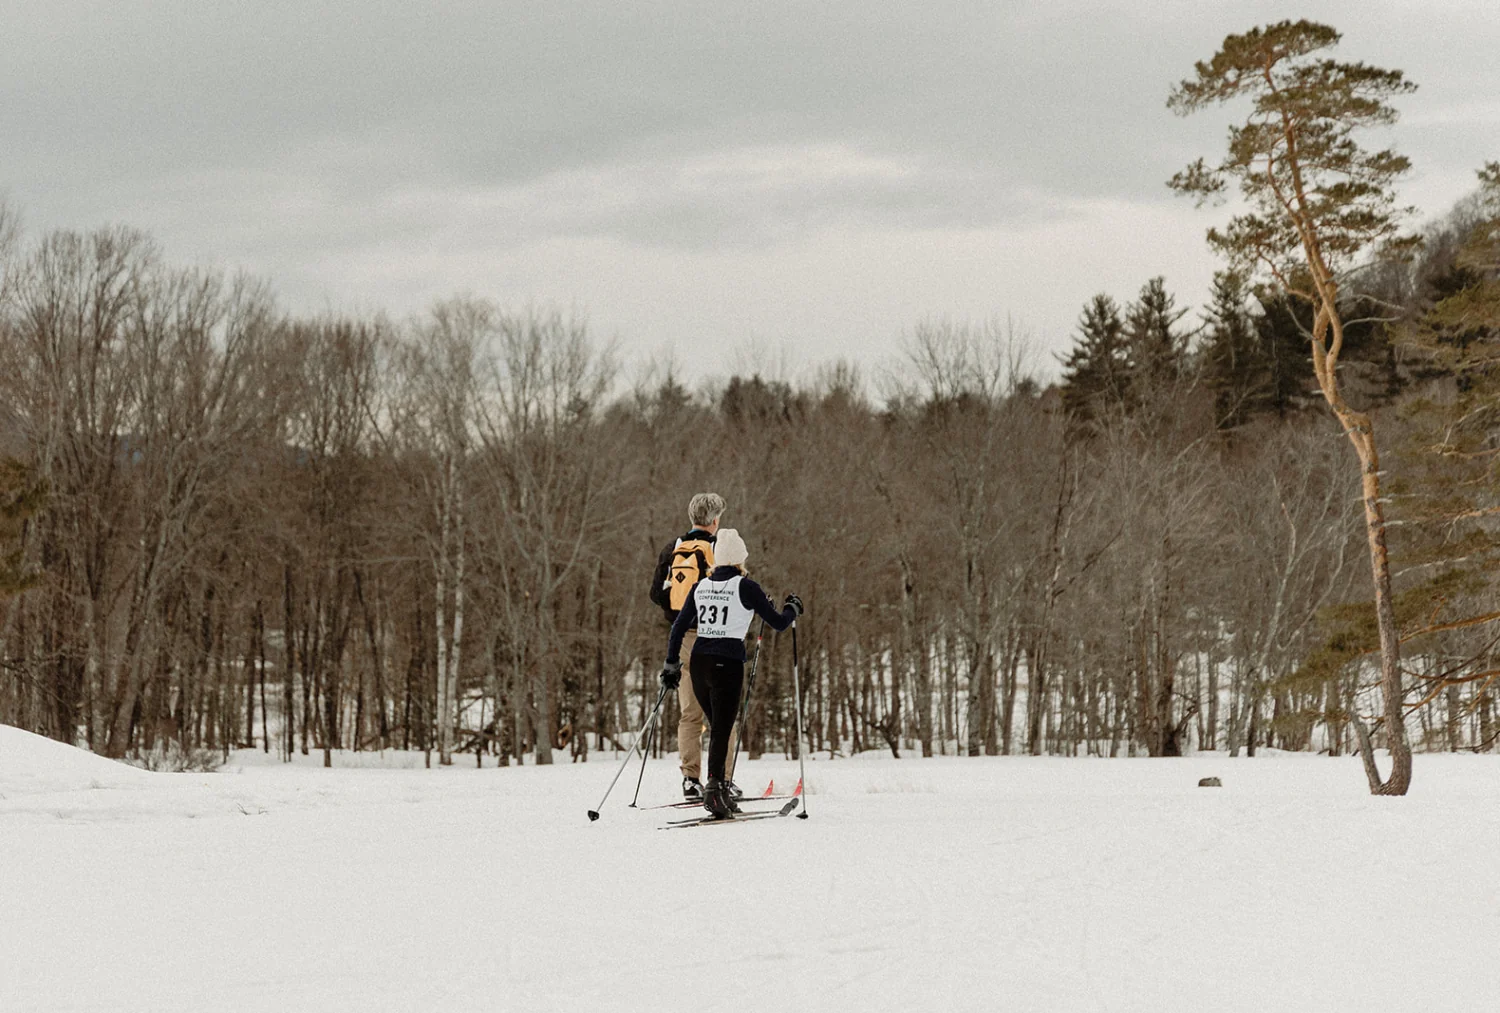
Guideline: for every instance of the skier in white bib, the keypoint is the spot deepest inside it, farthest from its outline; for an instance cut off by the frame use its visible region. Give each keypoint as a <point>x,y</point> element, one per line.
<point>721,608</point>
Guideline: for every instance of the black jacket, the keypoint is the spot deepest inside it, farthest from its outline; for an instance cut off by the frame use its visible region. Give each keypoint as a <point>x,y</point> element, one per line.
<point>751,596</point>
<point>660,596</point>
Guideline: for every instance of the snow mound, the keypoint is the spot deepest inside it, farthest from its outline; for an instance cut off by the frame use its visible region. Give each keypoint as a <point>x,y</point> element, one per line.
<point>32,765</point>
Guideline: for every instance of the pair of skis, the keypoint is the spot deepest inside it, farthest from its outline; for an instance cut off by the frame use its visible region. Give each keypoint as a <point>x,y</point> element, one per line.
<point>764,814</point>
<point>693,803</point>
<point>744,817</point>
<point>698,803</point>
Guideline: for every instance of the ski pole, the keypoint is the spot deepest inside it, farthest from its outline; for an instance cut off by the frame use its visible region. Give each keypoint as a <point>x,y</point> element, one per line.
<point>749,688</point>
<point>650,742</point>
<point>801,746</point>
<point>594,813</point>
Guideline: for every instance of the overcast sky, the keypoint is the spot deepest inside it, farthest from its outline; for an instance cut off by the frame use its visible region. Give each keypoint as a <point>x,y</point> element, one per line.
<point>718,181</point>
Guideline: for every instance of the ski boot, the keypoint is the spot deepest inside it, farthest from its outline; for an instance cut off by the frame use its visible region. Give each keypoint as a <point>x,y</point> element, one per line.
<point>717,800</point>
<point>692,789</point>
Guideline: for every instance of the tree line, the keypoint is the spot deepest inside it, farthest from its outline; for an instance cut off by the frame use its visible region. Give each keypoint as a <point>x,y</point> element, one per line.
<point>228,526</point>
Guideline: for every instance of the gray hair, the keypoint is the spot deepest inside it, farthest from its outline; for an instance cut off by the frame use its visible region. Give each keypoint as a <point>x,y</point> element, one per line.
<point>704,507</point>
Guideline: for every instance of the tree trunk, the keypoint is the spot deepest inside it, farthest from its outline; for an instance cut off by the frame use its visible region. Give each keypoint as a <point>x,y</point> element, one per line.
<point>1211,725</point>
<point>455,653</point>
<point>1361,433</point>
<point>289,664</point>
<point>251,654</point>
<point>440,625</point>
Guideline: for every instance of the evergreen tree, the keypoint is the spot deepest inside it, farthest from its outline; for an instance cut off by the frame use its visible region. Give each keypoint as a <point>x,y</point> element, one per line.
<point>1317,205</point>
<point>1233,366</point>
<point>1156,349</point>
<point>1446,492</point>
<point>1455,331</point>
<point>1462,323</point>
<point>1281,330</point>
<point>760,401</point>
<point>1096,370</point>
<point>21,496</point>
<point>1453,473</point>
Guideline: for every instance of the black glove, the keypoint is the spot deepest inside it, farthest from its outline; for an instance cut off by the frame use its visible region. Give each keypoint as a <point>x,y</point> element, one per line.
<point>795,604</point>
<point>671,674</point>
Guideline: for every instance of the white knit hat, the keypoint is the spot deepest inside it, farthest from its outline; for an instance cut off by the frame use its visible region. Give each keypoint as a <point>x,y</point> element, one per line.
<point>729,548</point>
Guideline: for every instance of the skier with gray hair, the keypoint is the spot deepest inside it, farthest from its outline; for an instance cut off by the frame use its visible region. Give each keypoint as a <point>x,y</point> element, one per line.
<point>720,608</point>
<point>683,562</point>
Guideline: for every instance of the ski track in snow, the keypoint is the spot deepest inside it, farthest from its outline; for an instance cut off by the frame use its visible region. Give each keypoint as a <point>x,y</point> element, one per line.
<point>938,884</point>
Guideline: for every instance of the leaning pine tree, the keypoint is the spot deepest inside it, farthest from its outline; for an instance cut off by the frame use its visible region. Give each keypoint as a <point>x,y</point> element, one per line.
<point>1319,205</point>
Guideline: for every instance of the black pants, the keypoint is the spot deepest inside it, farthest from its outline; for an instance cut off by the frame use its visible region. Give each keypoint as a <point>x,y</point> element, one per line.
<point>716,683</point>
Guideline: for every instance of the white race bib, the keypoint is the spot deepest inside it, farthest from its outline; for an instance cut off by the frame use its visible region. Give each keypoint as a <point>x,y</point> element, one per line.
<point>720,613</point>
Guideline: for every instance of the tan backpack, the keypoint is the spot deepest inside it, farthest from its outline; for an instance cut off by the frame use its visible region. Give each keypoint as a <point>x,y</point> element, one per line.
<point>691,562</point>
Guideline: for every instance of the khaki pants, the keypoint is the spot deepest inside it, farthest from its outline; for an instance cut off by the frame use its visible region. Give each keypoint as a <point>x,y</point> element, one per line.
<point>692,725</point>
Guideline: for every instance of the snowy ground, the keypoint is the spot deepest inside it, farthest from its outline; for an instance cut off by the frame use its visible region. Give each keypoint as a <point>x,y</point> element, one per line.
<point>945,884</point>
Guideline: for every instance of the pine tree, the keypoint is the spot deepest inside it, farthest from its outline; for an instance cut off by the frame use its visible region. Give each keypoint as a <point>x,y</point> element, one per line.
<point>1446,491</point>
<point>1097,369</point>
<point>21,496</point>
<point>1233,367</point>
<point>1318,204</point>
<point>1281,331</point>
<point>1448,333</point>
<point>760,401</point>
<point>1451,478</point>
<point>1155,348</point>
<point>1464,320</point>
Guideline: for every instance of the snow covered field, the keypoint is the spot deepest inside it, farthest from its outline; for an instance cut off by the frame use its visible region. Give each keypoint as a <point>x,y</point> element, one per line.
<point>944,884</point>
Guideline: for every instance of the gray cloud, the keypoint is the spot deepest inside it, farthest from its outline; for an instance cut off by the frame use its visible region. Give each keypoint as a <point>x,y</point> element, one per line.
<point>340,147</point>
